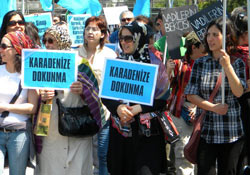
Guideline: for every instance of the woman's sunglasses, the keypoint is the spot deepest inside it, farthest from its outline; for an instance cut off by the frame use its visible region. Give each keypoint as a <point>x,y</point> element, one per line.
<point>49,40</point>
<point>126,38</point>
<point>13,23</point>
<point>4,46</point>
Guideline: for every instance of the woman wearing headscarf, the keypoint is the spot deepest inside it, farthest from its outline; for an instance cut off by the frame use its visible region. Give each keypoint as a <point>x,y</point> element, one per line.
<point>61,154</point>
<point>131,151</point>
<point>15,123</point>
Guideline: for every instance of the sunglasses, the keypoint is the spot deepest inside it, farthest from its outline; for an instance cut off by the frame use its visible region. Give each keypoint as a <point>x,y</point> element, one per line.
<point>126,38</point>
<point>126,19</point>
<point>13,23</point>
<point>49,40</point>
<point>4,46</point>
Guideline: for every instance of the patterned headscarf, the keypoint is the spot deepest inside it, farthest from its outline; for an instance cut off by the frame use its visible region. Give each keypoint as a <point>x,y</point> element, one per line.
<point>61,34</point>
<point>141,33</point>
<point>19,41</point>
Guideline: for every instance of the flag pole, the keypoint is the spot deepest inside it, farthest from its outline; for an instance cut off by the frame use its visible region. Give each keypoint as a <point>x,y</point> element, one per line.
<point>248,25</point>
<point>224,48</point>
<point>23,7</point>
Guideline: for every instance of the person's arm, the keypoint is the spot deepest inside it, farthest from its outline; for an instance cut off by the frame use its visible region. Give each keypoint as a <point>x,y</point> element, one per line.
<point>26,108</point>
<point>206,105</point>
<point>233,79</point>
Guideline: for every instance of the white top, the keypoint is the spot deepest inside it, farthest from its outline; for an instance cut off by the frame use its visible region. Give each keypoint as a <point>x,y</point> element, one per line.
<point>8,88</point>
<point>98,64</point>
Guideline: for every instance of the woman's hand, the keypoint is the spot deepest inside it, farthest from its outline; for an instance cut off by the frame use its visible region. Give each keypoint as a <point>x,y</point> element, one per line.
<point>170,67</point>
<point>76,88</point>
<point>220,109</point>
<point>46,94</point>
<point>224,59</point>
<point>125,113</point>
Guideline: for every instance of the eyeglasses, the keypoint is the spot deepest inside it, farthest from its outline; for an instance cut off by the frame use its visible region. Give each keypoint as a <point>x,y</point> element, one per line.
<point>13,23</point>
<point>126,19</point>
<point>126,38</point>
<point>94,29</point>
<point>157,24</point>
<point>50,41</point>
<point>4,46</point>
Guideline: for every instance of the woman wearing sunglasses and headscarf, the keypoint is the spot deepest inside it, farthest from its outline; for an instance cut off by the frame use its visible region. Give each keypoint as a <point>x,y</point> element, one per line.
<point>130,150</point>
<point>15,123</point>
<point>59,154</point>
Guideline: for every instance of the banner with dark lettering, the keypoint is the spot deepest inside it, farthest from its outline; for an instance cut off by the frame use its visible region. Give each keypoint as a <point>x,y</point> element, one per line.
<point>176,24</point>
<point>76,25</point>
<point>200,20</point>
<point>48,69</point>
<point>128,80</point>
<point>41,20</point>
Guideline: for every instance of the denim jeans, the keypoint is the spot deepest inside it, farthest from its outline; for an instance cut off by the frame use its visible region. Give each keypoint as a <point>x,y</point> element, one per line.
<point>17,146</point>
<point>103,141</point>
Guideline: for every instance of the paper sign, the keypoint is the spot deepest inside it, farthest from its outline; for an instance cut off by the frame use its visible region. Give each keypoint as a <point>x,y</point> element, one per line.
<point>129,81</point>
<point>200,20</point>
<point>42,21</point>
<point>48,69</point>
<point>176,24</point>
<point>76,25</point>
<point>112,14</point>
<point>111,46</point>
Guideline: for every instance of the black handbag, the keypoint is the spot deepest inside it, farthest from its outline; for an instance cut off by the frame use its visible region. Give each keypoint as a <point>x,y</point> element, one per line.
<point>76,122</point>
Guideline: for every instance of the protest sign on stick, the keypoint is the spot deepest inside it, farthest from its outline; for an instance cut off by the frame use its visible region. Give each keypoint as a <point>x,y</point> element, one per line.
<point>200,20</point>
<point>48,69</point>
<point>128,80</point>
<point>112,14</point>
<point>76,25</point>
<point>176,24</point>
<point>41,20</point>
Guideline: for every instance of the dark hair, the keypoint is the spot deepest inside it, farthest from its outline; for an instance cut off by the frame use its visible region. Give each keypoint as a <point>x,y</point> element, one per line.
<point>240,24</point>
<point>6,20</point>
<point>159,16</point>
<point>238,10</point>
<point>58,16</point>
<point>102,26</point>
<point>230,35</point>
<point>189,50</point>
<point>145,19</point>
<point>32,31</point>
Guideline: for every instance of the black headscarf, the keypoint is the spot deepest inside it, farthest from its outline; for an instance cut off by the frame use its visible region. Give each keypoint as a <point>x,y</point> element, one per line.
<point>141,33</point>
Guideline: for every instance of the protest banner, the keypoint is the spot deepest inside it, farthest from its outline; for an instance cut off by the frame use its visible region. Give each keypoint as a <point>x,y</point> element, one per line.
<point>129,81</point>
<point>41,20</point>
<point>76,25</point>
<point>176,24</point>
<point>48,69</point>
<point>112,14</point>
<point>111,46</point>
<point>200,20</point>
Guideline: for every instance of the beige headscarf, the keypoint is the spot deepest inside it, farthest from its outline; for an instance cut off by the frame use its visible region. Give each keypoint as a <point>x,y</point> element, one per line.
<point>61,34</point>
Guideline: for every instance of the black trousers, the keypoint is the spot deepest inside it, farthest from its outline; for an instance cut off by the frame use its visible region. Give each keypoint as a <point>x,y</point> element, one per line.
<point>226,155</point>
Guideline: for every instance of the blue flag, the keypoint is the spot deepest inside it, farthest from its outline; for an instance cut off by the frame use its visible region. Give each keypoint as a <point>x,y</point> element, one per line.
<point>92,7</point>
<point>47,5</point>
<point>142,7</point>
<point>6,7</point>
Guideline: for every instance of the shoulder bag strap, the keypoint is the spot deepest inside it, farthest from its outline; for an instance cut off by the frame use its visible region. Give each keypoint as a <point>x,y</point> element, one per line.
<point>217,86</point>
<point>13,100</point>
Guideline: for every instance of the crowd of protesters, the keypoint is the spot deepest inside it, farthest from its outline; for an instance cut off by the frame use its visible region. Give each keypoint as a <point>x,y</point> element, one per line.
<point>130,140</point>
